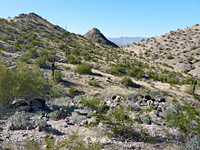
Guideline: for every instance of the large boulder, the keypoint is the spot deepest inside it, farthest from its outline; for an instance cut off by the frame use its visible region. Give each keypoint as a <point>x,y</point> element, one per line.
<point>38,102</point>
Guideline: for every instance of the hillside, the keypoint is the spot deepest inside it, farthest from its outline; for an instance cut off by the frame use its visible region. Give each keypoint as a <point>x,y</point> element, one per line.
<point>178,50</point>
<point>124,41</point>
<point>60,90</point>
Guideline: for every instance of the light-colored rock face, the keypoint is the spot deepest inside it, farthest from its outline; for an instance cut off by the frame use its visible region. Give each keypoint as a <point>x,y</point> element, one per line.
<point>96,36</point>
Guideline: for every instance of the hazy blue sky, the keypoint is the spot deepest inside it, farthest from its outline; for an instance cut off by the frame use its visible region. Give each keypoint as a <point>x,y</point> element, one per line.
<point>113,17</point>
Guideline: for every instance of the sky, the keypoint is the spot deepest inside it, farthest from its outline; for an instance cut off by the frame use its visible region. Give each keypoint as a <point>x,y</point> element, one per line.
<point>114,18</point>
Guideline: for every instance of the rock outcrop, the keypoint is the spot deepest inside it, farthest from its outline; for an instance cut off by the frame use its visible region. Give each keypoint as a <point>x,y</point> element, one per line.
<point>96,36</point>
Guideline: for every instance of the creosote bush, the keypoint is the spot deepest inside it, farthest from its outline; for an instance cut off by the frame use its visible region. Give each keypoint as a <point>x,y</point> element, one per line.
<point>92,102</point>
<point>127,81</point>
<point>57,76</point>
<point>84,68</point>
<point>94,83</point>
<point>23,82</point>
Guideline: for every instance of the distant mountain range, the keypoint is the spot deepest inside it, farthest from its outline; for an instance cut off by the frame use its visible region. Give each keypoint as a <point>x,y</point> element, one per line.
<point>124,41</point>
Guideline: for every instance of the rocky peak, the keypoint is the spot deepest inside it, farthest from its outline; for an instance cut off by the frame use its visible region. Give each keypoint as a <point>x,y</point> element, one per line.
<point>96,36</point>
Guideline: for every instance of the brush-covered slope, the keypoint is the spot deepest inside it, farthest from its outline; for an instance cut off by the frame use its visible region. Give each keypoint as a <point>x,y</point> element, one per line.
<point>29,37</point>
<point>179,50</point>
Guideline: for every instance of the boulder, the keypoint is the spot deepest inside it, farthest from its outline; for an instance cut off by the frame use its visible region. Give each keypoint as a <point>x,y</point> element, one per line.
<point>81,111</point>
<point>39,102</point>
<point>26,108</point>
<point>147,97</point>
<point>160,99</point>
<point>19,104</point>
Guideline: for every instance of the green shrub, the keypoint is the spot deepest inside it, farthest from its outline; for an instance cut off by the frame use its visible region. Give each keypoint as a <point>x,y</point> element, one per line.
<point>62,101</point>
<point>120,124</point>
<point>72,91</point>
<point>127,81</point>
<point>94,83</point>
<point>146,119</point>
<point>57,76</point>
<point>84,68</point>
<point>19,120</point>
<point>42,123</point>
<point>41,61</point>
<point>92,102</point>
<point>56,91</point>
<point>185,118</point>
<point>193,144</point>
<point>73,59</point>
<point>22,82</point>
<point>136,72</point>
<point>54,115</point>
<point>118,70</point>
<point>67,68</point>
<point>170,57</point>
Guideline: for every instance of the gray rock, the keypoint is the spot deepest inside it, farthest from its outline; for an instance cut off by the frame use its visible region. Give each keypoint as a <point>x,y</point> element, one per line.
<point>160,99</point>
<point>39,102</point>
<point>30,127</point>
<point>81,111</point>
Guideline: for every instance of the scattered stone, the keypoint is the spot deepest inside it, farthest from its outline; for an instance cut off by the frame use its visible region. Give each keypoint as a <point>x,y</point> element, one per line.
<point>38,128</point>
<point>19,104</point>
<point>160,99</point>
<point>147,97</point>
<point>113,97</point>
<point>81,111</point>
<point>30,127</point>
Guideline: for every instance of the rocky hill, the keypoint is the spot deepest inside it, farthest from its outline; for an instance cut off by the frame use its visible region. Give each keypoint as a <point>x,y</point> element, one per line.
<point>96,36</point>
<point>59,90</point>
<point>178,50</point>
<point>124,41</point>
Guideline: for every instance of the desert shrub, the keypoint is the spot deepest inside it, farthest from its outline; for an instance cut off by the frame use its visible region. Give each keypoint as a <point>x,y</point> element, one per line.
<point>120,124</point>
<point>25,58</point>
<point>72,91</point>
<point>146,119</point>
<point>127,81</point>
<point>62,101</point>
<point>67,68</point>
<point>94,83</point>
<point>54,115</point>
<point>132,96</point>
<point>56,91</point>
<point>41,61</point>
<point>170,57</point>
<point>73,59</point>
<point>193,144</point>
<point>77,98</point>
<point>189,90</point>
<point>19,120</point>
<point>32,145</point>
<point>75,142</point>
<point>92,102</point>
<point>84,68</point>
<point>77,119</point>
<point>22,82</point>
<point>117,70</point>
<point>57,76</point>
<point>42,123</point>
<point>186,119</point>
<point>136,72</point>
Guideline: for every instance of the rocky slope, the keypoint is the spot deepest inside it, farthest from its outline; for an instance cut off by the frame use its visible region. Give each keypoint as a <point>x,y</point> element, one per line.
<point>96,36</point>
<point>178,49</point>
<point>152,114</point>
